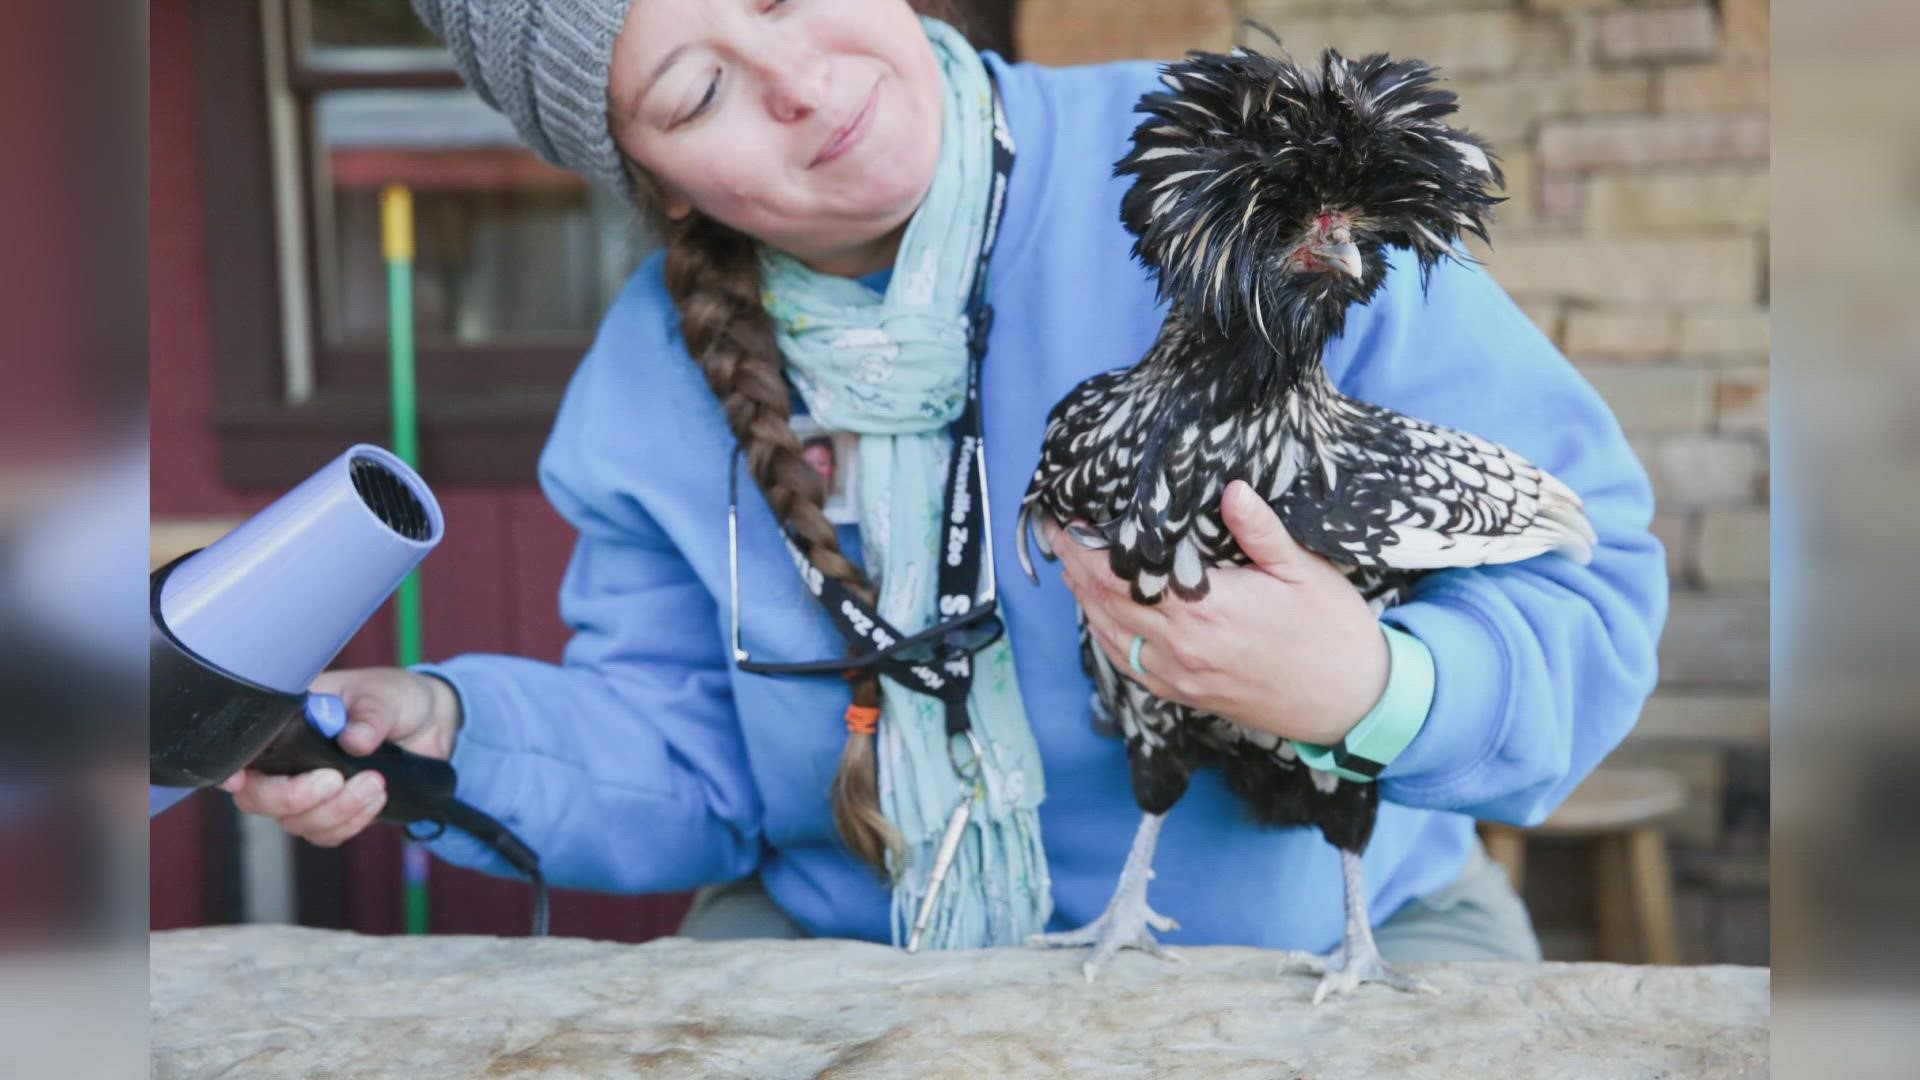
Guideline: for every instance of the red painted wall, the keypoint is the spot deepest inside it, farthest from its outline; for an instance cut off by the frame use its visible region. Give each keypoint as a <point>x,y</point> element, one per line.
<point>40,402</point>
<point>489,587</point>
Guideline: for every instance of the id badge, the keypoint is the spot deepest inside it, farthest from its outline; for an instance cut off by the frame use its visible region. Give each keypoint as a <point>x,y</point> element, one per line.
<point>835,455</point>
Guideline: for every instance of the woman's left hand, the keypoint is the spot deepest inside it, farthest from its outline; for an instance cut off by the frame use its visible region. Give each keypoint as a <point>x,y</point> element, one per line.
<point>1285,644</point>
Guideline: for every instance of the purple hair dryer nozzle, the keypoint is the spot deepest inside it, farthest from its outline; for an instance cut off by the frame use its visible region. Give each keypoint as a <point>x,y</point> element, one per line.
<point>276,599</point>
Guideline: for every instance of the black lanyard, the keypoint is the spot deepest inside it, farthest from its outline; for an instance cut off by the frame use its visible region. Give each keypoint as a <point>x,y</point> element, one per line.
<point>938,661</point>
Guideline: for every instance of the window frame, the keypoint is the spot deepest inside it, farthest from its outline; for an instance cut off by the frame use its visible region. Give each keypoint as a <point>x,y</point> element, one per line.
<point>484,411</point>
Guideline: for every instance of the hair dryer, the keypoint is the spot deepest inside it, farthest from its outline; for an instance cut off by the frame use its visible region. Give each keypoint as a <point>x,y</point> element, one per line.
<point>241,627</point>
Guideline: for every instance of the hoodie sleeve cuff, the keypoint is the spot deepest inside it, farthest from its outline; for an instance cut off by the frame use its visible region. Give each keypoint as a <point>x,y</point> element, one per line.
<point>1393,722</point>
<point>482,752</point>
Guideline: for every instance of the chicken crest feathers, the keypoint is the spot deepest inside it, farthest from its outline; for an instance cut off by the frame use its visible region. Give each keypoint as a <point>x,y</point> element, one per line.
<point>1242,148</point>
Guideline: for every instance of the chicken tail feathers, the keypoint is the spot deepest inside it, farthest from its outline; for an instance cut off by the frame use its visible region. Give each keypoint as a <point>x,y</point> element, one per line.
<point>1562,511</point>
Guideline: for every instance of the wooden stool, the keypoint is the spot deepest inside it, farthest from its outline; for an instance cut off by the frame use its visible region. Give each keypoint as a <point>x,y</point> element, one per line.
<point>1620,811</point>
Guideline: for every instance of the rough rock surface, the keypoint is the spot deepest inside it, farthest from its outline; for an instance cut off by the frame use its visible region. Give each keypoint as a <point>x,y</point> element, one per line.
<point>273,1001</point>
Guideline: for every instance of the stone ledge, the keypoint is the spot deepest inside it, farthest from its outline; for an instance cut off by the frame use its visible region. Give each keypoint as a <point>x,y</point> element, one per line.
<point>272,1001</point>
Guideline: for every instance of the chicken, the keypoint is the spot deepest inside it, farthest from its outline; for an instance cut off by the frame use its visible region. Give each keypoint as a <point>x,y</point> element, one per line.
<point>1265,197</point>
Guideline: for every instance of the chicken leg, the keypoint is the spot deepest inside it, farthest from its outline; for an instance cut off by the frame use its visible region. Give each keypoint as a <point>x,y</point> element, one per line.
<point>1357,960</point>
<point>1128,923</point>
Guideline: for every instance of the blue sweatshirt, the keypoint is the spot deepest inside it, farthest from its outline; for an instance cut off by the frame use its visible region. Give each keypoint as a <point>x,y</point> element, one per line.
<point>646,762</point>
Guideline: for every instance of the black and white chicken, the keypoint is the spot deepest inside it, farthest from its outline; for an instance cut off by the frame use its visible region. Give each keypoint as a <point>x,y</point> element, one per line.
<point>1265,197</point>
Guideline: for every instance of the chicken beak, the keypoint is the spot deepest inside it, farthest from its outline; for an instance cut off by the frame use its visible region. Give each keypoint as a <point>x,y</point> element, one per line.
<point>1343,256</point>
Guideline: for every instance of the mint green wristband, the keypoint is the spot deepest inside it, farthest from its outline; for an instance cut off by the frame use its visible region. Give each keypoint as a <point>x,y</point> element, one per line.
<point>1389,727</point>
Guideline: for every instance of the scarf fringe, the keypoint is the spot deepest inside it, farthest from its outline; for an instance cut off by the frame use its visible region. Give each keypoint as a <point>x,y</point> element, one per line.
<point>991,852</point>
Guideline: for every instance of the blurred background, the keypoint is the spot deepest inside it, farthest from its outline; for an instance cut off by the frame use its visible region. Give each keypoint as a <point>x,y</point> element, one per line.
<point>73,537</point>
<point>1635,139</point>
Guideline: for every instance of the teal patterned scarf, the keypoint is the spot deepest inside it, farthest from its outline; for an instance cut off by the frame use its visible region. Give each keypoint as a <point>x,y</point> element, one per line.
<point>894,369</point>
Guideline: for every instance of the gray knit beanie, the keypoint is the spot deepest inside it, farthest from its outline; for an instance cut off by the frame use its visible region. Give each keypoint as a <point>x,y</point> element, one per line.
<point>544,64</point>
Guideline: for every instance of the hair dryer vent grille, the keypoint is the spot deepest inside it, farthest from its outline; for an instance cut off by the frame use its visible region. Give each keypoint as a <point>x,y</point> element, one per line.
<point>391,499</point>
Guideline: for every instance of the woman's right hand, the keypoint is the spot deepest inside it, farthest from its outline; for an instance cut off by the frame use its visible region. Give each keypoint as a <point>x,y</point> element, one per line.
<point>416,712</point>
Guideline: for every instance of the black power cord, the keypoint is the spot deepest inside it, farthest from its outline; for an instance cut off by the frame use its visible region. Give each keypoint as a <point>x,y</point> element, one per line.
<point>485,829</point>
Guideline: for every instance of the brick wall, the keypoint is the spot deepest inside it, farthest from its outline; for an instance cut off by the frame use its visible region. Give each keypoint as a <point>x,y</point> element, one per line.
<point>1635,139</point>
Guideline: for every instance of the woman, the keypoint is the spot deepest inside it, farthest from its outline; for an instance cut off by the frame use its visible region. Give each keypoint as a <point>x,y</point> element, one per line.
<point>805,159</point>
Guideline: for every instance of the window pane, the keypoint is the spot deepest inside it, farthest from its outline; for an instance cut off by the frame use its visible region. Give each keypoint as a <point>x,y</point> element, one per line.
<point>508,249</point>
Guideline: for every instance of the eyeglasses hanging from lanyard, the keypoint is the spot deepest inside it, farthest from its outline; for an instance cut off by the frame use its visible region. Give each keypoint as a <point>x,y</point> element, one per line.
<point>977,626</point>
<point>937,661</point>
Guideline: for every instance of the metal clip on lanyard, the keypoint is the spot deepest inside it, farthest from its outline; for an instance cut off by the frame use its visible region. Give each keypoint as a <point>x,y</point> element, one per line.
<point>949,840</point>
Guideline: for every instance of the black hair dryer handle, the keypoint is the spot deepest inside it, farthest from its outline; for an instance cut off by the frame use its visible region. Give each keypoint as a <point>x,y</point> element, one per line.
<point>419,788</point>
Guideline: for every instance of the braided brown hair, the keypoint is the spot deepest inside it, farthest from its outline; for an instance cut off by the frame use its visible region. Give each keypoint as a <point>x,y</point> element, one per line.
<point>713,275</point>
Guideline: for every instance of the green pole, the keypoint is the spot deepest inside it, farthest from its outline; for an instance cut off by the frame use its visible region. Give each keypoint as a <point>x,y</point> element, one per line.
<point>396,216</point>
